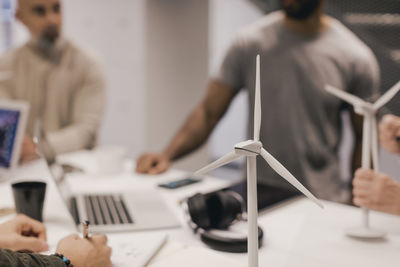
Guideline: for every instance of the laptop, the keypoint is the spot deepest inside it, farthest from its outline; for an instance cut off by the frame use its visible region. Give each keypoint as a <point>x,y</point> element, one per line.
<point>117,212</point>
<point>13,116</point>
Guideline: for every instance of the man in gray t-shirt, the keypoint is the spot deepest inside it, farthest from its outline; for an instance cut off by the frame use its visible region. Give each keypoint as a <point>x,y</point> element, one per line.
<point>300,122</point>
<point>301,50</point>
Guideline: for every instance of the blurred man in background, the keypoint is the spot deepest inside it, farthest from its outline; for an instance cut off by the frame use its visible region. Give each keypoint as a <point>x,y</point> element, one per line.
<point>301,51</point>
<point>23,234</point>
<point>378,191</point>
<point>63,84</point>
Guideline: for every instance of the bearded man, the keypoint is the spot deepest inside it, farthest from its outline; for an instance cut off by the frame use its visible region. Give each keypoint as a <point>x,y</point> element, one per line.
<point>63,83</point>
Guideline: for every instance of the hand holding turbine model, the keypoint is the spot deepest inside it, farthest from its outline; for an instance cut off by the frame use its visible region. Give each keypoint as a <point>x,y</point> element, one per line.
<point>251,149</point>
<point>369,145</point>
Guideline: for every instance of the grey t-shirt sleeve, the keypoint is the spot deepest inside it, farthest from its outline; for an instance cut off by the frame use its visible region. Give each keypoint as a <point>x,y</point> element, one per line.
<point>366,77</point>
<point>231,72</point>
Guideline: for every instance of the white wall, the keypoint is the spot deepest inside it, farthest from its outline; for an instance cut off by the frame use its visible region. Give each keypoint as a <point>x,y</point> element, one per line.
<point>177,69</point>
<point>226,18</point>
<point>18,35</point>
<point>156,55</point>
<point>116,31</point>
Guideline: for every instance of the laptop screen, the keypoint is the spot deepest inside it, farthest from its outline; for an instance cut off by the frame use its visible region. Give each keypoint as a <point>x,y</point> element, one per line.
<point>9,121</point>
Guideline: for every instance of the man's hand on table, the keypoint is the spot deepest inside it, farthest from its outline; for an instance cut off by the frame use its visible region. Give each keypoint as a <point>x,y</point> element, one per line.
<point>152,163</point>
<point>23,234</point>
<point>28,150</point>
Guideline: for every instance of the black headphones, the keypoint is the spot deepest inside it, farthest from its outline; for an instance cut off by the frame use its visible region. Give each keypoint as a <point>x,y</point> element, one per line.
<point>218,210</point>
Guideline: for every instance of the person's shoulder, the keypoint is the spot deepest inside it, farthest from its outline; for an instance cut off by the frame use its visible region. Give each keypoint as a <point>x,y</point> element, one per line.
<point>350,41</point>
<point>84,60</point>
<point>12,55</point>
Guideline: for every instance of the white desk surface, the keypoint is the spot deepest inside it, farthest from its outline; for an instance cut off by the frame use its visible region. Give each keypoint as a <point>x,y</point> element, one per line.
<point>297,233</point>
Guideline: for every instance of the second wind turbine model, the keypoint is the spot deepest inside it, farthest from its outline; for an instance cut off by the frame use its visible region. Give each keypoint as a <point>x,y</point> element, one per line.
<point>251,149</point>
<point>369,144</point>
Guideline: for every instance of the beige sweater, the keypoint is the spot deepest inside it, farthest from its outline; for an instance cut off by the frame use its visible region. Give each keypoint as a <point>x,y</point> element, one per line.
<point>65,92</point>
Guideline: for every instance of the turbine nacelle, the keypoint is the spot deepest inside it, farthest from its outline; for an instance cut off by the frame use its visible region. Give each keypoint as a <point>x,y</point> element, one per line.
<point>364,109</point>
<point>248,148</point>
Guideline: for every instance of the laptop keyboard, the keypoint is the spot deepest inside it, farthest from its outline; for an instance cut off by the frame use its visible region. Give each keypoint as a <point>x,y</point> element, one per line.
<point>106,209</point>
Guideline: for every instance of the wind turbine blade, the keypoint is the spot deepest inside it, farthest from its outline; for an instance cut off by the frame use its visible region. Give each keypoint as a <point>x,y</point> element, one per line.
<point>386,97</point>
<point>282,171</point>
<point>257,103</point>
<point>352,99</point>
<point>218,163</point>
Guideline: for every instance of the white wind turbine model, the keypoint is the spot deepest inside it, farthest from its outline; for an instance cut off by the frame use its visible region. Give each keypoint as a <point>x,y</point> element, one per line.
<point>251,149</point>
<point>369,145</point>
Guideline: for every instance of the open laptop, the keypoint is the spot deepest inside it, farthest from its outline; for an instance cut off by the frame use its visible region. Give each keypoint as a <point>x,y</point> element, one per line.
<point>133,211</point>
<point>114,212</point>
<point>13,116</point>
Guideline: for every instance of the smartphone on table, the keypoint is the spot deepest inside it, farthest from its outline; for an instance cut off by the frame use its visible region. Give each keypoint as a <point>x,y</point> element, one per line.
<point>179,183</point>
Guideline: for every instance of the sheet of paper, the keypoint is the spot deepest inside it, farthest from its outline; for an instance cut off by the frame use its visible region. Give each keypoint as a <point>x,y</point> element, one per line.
<point>135,252</point>
<point>193,257</point>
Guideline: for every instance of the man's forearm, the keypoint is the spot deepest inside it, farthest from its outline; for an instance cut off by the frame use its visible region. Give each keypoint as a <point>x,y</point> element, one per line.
<point>16,259</point>
<point>201,121</point>
<point>71,138</point>
<point>191,136</point>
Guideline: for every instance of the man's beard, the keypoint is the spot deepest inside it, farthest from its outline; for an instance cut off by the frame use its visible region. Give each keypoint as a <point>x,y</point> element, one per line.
<point>302,9</point>
<point>47,40</point>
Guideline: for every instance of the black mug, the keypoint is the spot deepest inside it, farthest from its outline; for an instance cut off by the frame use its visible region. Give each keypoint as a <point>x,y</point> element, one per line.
<point>29,198</point>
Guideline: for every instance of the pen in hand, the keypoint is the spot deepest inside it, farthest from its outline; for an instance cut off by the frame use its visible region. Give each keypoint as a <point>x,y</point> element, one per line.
<point>85,226</point>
